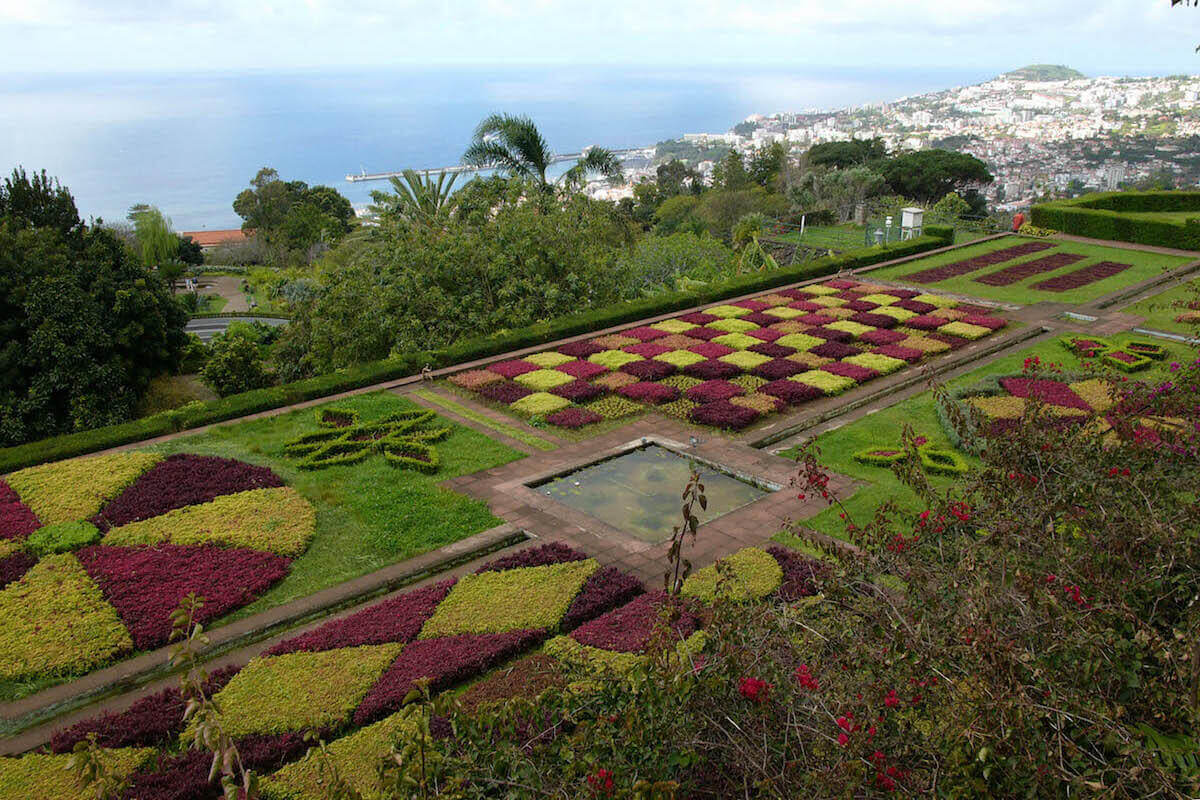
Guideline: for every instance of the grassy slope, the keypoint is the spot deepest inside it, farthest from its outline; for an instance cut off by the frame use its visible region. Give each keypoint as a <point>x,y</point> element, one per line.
<point>369,515</point>
<point>1144,265</point>
<point>882,428</point>
<point>1160,310</point>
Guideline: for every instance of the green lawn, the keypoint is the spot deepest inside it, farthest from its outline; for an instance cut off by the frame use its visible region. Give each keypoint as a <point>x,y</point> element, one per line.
<point>847,236</point>
<point>211,304</point>
<point>1144,265</point>
<point>883,428</point>
<point>1160,310</point>
<point>370,514</point>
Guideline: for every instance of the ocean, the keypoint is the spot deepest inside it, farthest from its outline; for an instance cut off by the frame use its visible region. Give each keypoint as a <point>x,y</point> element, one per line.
<point>188,143</point>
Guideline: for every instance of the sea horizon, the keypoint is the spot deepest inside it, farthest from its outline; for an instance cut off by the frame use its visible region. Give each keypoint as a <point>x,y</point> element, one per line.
<point>188,142</point>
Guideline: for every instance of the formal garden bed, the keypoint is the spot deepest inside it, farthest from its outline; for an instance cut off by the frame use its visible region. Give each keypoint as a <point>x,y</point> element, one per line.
<point>350,680</point>
<point>732,365</point>
<point>866,448</point>
<point>1176,310</point>
<point>1018,270</point>
<point>95,552</point>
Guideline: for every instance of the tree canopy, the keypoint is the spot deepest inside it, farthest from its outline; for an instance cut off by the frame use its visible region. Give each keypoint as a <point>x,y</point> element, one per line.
<point>84,326</point>
<point>842,155</point>
<point>292,217</point>
<point>38,202</point>
<point>514,146</point>
<point>928,175</point>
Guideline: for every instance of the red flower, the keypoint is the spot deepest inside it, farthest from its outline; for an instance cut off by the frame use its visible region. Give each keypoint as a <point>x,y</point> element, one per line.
<point>601,782</point>
<point>754,689</point>
<point>891,700</point>
<point>805,678</point>
<point>843,739</point>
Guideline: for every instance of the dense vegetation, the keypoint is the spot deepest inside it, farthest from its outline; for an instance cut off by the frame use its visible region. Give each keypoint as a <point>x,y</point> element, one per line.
<point>84,325</point>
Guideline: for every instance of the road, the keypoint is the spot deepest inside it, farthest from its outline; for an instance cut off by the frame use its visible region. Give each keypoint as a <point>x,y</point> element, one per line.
<point>209,327</point>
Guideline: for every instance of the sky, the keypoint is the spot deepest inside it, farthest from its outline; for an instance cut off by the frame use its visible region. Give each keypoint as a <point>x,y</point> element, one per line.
<point>1121,37</point>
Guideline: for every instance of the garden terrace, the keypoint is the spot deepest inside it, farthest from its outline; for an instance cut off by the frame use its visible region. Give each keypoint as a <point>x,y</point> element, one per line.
<point>731,365</point>
<point>1071,272</point>
<point>97,551</point>
<point>1159,219</point>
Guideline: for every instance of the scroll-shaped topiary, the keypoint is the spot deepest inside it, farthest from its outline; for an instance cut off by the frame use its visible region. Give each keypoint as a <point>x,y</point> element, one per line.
<point>334,417</point>
<point>404,439</point>
<point>880,456</point>
<point>1125,360</point>
<point>942,460</point>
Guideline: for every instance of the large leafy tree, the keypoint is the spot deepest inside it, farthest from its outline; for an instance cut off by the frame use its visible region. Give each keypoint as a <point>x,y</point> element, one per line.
<point>514,146</point>
<point>852,153</point>
<point>84,326</point>
<point>291,216</point>
<point>929,175</point>
<point>38,202</point>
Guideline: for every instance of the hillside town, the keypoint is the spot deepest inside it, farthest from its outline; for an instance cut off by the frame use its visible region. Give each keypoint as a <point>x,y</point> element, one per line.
<point>1042,130</point>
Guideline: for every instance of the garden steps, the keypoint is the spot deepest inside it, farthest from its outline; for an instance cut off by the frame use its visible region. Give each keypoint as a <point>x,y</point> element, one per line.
<point>130,676</point>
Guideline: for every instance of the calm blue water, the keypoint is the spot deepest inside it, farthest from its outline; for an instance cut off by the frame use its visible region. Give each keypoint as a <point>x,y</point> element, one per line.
<point>189,143</point>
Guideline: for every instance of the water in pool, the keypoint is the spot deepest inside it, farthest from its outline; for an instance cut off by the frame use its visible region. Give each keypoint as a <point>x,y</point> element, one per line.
<point>639,491</point>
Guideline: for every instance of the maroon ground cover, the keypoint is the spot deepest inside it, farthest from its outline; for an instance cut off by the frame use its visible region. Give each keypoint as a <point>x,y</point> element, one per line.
<point>648,392</point>
<point>1082,277</point>
<point>704,334</point>
<point>649,369</point>
<point>916,306</point>
<point>606,588</point>
<point>699,318</point>
<point>713,369</point>
<point>629,629</point>
<point>445,661</point>
<point>955,342</point>
<point>759,318</point>
<point>580,349</point>
<point>753,305</point>
<point>710,349</point>
<point>151,721</point>
<point>791,391</point>
<point>772,349</point>
<point>511,369</point>
<point>815,319</point>
<point>145,584</point>
<point>505,392</point>
<point>766,334</point>
<point>1019,272</point>
<point>572,418</point>
<point>398,619</point>
<point>585,370</point>
<point>646,349</point>
<point>711,391</point>
<point>17,520</point>
<point>910,354</point>
<point>800,573</point>
<point>723,414</point>
<point>830,334</point>
<point>880,337</point>
<point>540,556</point>
<point>925,322</point>
<point>14,566</point>
<point>852,371</point>
<point>645,333</point>
<point>578,391</point>
<point>875,320</point>
<point>779,368</point>
<point>952,270</point>
<point>834,350</point>
<point>1047,391</point>
<point>182,480</point>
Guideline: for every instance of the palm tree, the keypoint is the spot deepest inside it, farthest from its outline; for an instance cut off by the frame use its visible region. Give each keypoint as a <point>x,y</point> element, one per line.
<point>417,198</point>
<point>513,145</point>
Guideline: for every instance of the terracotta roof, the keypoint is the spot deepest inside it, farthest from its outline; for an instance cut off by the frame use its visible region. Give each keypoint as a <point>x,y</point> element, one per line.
<point>214,238</point>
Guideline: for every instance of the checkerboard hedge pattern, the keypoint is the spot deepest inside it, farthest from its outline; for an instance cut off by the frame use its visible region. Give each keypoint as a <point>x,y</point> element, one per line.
<point>732,364</point>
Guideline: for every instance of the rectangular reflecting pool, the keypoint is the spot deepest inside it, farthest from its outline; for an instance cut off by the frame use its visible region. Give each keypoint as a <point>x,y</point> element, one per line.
<point>639,491</point>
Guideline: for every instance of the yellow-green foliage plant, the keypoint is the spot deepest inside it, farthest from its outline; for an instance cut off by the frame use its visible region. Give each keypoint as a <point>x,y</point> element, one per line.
<point>47,776</point>
<point>77,488</point>
<point>749,574</point>
<point>56,622</point>
<point>515,599</point>
<point>302,691</point>
<point>278,520</point>
<point>355,757</point>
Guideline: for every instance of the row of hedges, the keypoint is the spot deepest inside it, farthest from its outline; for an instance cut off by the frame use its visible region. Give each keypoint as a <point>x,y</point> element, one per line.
<point>411,363</point>
<point>1104,216</point>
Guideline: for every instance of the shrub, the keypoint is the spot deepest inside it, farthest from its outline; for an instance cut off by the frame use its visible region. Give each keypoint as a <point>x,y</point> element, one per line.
<point>56,622</point>
<point>1142,347</point>
<point>303,690</point>
<point>62,538</point>
<point>183,480</point>
<point>1104,216</point>
<point>881,456</point>
<point>942,461</point>
<point>235,365</point>
<point>497,602</point>
<point>539,404</point>
<point>145,585</point>
<point>749,574</point>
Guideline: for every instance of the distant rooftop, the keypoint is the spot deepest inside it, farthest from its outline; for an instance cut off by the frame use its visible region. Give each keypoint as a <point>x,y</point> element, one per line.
<point>208,239</point>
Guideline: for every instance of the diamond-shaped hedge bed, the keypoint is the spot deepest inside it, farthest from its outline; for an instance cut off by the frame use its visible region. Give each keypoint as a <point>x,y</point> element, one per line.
<point>734,363</point>
<point>96,552</point>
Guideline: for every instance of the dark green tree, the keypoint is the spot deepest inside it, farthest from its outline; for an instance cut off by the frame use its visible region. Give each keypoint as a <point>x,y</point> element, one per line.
<point>766,165</point>
<point>190,252</point>
<point>235,363</point>
<point>84,328</point>
<point>730,173</point>
<point>291,216</point>
<point>38,202</point>
<point>928,175</point>
<point>852,153</point>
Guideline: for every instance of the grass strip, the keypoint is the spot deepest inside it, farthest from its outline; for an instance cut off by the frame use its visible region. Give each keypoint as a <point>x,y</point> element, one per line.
<point>510,431</point>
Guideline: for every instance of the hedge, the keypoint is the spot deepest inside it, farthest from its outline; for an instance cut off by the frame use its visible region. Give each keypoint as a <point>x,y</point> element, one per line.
<point>411,363</point>
<point>1101,215</point>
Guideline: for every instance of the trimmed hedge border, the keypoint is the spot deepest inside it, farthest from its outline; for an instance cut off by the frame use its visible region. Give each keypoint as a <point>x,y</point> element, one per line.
<point>1101,215</point>
<point>412,363</point>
